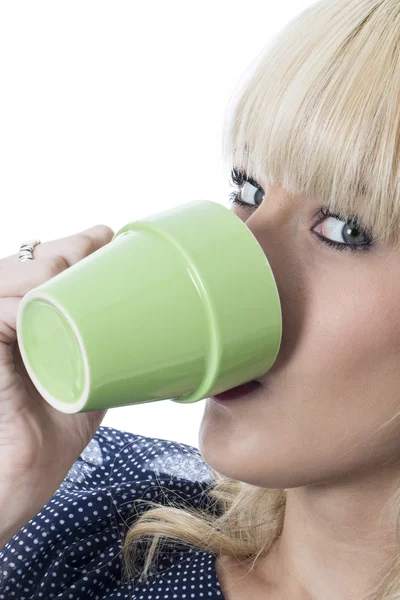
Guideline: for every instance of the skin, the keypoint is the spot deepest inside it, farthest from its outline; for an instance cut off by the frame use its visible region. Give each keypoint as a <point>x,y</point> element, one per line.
<point>312,428</point>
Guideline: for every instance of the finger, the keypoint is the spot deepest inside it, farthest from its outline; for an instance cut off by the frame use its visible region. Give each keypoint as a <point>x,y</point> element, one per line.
<point>17,279</point>
<point>23,277</point>
<point>8,320</point>
<point>72,247</point>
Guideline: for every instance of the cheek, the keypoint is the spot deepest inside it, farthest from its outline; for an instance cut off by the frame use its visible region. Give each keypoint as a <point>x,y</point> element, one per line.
<point>341,352</point>
<point>338,318</point>
<point>355,324</point>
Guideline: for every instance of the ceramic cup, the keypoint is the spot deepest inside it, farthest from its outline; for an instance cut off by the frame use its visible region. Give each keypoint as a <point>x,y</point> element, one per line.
<point>181,305</point>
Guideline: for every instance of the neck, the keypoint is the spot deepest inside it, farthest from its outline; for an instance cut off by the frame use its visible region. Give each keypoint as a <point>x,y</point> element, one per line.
<point>332,544</point>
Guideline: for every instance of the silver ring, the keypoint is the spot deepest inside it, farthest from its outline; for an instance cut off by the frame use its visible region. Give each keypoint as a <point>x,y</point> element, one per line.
<point>26,250</point>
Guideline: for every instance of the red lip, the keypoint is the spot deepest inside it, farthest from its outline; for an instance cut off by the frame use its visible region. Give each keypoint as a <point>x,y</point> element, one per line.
<point>241,390</point>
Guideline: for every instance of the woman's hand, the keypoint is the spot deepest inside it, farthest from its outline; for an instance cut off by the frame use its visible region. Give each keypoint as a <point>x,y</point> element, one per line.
<point>38,444</point>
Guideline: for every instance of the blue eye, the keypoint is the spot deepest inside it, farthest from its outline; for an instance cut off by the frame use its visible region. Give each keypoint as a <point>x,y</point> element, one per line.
<point>349,230</point>
<point>249,193</point>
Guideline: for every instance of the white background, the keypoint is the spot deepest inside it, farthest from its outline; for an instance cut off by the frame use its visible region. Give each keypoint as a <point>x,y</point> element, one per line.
<point>112,111</point>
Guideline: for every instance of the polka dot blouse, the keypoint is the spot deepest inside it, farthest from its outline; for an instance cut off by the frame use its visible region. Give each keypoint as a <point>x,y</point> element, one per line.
<point>72,548</point>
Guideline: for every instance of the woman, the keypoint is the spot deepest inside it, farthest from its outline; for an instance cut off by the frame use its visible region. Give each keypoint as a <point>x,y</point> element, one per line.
<point>295,492</point>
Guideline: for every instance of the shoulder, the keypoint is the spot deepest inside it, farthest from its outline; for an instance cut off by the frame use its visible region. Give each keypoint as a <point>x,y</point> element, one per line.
<point>127,469</point>
<point>77,536</point>
<point>115,455</point>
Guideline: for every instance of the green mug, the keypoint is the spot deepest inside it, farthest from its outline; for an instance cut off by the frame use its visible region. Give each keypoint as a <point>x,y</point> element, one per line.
<point>181,305</point>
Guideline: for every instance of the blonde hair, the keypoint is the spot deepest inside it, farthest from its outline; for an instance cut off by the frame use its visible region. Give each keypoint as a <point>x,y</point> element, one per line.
<point>319,111</point>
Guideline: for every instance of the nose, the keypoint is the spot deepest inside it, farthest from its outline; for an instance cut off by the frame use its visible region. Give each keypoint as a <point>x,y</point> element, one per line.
<point>278,221</point>
<point>273,222</point>
<point>269,224</point>
<point>274,225</point>
<point>278,206</point>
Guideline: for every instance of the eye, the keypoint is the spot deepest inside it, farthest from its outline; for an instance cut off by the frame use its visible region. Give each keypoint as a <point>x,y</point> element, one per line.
<point>248,194</point>
<point>331,227</point>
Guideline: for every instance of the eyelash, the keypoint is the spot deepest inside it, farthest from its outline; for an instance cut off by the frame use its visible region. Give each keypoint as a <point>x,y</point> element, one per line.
<point>239,178</point>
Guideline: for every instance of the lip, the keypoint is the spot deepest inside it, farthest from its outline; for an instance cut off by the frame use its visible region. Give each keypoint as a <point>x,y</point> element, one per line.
<point>241,391</point>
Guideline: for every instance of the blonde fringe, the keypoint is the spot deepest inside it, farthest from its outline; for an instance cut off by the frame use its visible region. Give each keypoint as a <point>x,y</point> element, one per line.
<point>318,111</point>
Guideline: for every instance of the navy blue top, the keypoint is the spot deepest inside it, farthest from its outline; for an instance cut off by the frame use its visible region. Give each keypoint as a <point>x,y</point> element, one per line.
<point>72,548</point>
